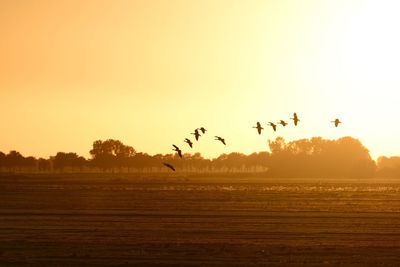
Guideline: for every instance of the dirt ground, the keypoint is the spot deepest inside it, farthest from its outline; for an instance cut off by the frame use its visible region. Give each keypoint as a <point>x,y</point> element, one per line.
<point>73,221</point>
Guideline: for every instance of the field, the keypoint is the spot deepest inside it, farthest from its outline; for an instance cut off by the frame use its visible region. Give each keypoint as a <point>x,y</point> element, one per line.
<point>169,221</point>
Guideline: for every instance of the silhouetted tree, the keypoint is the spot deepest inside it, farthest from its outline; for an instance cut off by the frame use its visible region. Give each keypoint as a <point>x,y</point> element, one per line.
<point>142,162</point>
<point>68,160</point>
<point>44,165</point>
<point>14,160</point>
<point>111,154</point>
<point>388,167</point>
<point>258,162</point>
<point>29,164</point>
<point>317,157</point>
<point>232,162</point>
<point>3,164</point>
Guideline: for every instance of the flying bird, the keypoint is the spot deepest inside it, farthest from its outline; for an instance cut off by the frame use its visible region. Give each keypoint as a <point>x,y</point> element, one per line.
<point>282,122</point>
<point>220,139</point>
<point>258,127</point>
<point>203,130</point>
<point>177,150</point>
<point>169,166</point>
<point>196,134</point>
<point>295,119</point>
<point>336,122</point>
<point>190,143</point>
<point>273,125</point>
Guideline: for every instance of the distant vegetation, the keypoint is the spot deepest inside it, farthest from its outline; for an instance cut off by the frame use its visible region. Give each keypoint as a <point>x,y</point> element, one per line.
<point>316,157</point>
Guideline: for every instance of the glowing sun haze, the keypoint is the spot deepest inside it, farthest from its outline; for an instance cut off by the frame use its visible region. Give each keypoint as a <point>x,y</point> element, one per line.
<point>149,72</point>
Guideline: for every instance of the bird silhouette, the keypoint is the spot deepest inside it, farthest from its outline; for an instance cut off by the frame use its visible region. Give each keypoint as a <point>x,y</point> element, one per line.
<point>282,122</point>
<point>295,119</point>
<point>336,122</point>
<point>196,134</point>
<point>220,139</point>
<point>273,125</point>
<point>190,143</point>
<point>203,130</point>
<point>177,150</point>
<point>258,127</point>
<point>169,166</point>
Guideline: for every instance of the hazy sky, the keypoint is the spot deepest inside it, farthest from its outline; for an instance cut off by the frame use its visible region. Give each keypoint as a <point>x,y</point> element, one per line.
<point>149,72</point>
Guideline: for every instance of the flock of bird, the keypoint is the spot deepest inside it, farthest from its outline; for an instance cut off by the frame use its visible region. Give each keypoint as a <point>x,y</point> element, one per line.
<point>281,122</point>
<point>258,126</point>
<point>197,135</point>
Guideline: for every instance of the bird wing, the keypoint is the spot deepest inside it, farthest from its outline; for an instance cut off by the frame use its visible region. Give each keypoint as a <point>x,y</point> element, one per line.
<point>169,166</point>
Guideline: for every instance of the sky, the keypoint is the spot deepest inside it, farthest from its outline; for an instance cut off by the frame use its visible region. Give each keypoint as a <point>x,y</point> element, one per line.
<point>149,72</point>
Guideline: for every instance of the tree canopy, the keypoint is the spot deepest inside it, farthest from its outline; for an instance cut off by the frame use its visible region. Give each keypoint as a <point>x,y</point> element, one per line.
<point>316,157</point>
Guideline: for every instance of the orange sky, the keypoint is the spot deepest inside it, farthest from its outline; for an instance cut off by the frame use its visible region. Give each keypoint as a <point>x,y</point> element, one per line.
<point>149,72</point>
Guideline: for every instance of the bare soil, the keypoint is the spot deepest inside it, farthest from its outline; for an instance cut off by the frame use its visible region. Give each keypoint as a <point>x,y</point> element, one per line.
<point>170,221</point>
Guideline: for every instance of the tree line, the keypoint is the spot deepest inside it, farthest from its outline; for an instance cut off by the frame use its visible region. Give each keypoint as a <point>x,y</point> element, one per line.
<point>316,157</point>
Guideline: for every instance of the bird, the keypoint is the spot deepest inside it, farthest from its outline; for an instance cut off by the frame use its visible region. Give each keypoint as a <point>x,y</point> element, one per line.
<point>196,134</point>
<point>336,122</point>
<point>203,130</point>
<point>169,166</point>
<point>190,143</point>
<point>177,150</point>
<point>220,139</point>
<point>295,119</point>
<point>258,127</point>
<point>282,122</point>
<point>273,125</point>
